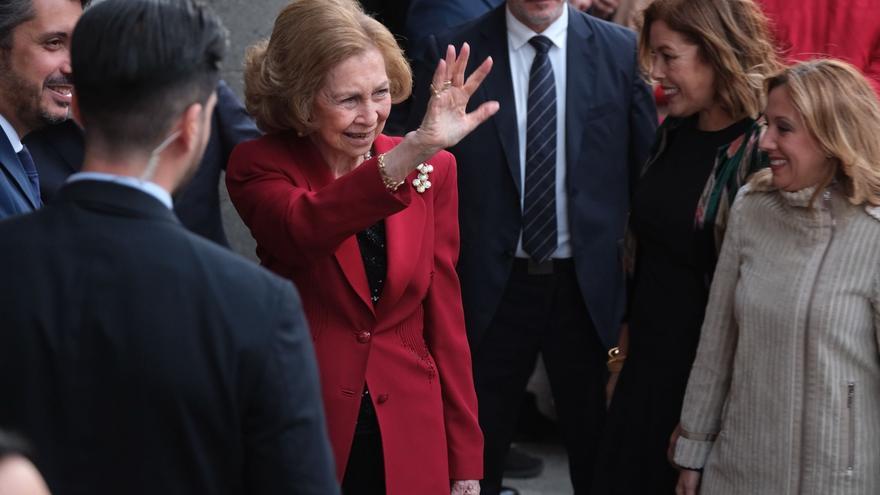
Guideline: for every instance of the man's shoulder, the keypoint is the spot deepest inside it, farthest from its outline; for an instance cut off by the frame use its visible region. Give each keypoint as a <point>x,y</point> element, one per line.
<point>473,29</point>
<point>231,270</point>
<point>605,32</point>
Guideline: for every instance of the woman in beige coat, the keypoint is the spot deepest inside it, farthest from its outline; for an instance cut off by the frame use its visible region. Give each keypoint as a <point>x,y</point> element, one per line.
<point>784,395</point>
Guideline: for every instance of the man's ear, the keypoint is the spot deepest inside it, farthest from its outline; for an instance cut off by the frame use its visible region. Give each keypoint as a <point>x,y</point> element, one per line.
<point>189,125</point>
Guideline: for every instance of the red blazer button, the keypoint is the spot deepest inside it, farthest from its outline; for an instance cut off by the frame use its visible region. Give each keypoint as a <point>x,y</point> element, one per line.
<point>382,399</point>
<point>364,337</point>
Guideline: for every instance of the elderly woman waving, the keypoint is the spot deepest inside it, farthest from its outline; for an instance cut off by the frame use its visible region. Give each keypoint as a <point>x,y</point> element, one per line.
<point>366,226</point>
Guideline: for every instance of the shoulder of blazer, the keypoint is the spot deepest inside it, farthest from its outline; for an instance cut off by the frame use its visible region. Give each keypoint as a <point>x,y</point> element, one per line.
<point>614,36</point>
<point>267,146</point>
<point>487,25</point>
<point>271,151</point>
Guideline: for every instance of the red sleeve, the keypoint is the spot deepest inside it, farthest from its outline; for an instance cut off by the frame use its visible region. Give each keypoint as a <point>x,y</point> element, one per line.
<point>446,336</point>
<point>293,223</point>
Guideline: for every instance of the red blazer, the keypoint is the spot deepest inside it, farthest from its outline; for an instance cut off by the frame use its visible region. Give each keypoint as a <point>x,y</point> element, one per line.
<point>411,348</point>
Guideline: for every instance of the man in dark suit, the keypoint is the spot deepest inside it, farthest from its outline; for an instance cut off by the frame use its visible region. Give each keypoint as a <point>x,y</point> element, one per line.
<point>543,201</point>
<point>34,88</point>
<point>58,152</point>
<point>140,358</point>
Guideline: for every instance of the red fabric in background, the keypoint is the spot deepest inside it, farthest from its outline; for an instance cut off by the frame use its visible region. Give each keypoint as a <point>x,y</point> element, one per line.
<point>844,29</point>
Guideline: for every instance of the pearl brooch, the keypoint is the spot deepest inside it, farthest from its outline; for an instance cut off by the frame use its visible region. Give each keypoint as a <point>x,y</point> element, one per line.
<point>421,183</point>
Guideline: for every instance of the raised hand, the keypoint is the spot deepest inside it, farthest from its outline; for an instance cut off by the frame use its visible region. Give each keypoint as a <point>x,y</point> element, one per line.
<point>446,121</point>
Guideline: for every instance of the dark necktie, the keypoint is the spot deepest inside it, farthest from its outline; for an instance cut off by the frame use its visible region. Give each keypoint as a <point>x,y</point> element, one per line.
<point>539,205</point>
<point>27,162</point>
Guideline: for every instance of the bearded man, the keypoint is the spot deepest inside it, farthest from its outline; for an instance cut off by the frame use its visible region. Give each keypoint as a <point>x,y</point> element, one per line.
<point>35,88</point>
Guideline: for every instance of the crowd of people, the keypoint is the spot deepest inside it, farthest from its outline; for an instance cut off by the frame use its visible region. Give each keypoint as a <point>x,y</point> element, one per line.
<point>704,294</point>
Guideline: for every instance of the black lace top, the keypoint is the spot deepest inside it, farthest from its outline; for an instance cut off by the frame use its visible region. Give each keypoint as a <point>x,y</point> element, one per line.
<point>372,245</point>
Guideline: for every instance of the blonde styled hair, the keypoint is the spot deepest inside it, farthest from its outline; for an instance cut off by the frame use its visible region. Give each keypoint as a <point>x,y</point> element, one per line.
<point>840,110</point>
<point>310,37</point>
<point>733,37</point>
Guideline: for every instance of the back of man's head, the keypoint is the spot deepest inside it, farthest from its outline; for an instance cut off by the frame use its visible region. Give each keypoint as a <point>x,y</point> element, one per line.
<point>138,64</point>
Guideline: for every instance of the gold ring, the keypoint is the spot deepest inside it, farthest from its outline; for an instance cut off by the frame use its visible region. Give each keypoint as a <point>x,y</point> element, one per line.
<point>446,85</point>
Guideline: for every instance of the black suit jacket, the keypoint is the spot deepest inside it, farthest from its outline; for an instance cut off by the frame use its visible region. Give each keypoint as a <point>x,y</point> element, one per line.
<point>609,128</point>
<point>58,152</point>
<point>140,358</point>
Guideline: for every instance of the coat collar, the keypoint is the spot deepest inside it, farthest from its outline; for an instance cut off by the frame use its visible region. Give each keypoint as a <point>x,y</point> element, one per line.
<point>115,199</point>
<point>403,230</point>
<point>499,86</point>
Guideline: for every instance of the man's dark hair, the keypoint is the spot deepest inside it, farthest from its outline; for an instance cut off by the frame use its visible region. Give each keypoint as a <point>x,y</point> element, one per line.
<point>16,12</point>
<point>138,64</point>
<point>13,445</point>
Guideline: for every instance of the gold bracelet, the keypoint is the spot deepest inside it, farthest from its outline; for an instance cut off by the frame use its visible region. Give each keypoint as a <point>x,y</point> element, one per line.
<point>390,184</point>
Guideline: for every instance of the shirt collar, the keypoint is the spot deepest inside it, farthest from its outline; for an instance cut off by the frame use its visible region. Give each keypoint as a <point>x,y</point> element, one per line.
<point>150,188</point>
<point>518,34</point>
<point>11,135</point>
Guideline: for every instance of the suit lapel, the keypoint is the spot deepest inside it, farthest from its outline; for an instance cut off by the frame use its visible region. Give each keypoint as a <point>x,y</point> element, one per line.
<point>403,240</point>
<point>403,237</point>
<point>499,86</point>
<point>9,161</point>
<point>348,255</point>
<point>580,83</point>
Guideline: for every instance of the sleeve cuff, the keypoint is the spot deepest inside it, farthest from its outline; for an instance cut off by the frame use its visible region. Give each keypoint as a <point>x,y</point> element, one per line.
<point>470,468</point>
<point>692,454</point>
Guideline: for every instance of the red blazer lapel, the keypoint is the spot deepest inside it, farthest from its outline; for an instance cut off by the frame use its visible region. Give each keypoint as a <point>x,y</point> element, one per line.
<point>348,255</point>
<point>349,258</point>
<point>403,238</point>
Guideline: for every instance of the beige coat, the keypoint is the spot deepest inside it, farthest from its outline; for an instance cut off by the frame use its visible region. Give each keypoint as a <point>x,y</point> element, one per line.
<point>784,395</point>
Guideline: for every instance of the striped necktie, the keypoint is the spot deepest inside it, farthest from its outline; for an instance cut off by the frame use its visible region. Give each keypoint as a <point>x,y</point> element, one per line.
<point>539,205</point>
<point>27,163</point>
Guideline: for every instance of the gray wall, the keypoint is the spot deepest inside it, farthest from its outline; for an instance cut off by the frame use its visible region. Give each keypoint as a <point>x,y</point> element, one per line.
<point>247,21</point>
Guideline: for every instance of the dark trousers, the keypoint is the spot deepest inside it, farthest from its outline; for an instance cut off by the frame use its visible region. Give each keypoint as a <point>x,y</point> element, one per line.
<point>365,471</point>
<point>541,313</point>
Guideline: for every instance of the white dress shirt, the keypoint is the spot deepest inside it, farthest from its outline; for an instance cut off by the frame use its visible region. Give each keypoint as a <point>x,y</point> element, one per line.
<point>150,188</point>
<point>521,56</point>
<point>11,135</point>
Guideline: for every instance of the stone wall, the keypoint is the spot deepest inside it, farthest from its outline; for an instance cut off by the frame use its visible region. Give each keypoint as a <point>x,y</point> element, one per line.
<point>247,22</point>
